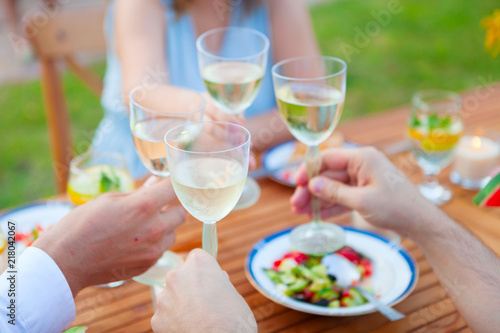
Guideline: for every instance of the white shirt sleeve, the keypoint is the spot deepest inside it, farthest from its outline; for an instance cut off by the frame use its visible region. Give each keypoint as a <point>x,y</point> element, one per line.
<point>43,299</point>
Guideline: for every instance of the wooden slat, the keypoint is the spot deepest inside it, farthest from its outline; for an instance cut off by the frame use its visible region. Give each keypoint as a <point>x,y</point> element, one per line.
<point>68,32</point>
<point>427,308</point>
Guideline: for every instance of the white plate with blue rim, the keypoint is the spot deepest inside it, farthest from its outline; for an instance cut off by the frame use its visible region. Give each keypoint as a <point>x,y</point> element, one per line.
<point>275,161</point>
<point>394,277</point>
<point>44,214</point>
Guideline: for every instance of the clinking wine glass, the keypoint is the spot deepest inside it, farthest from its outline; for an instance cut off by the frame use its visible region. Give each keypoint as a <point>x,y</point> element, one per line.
<point>310,93</point>
<point>233,76</point>
<point>434,129</point>
<point>154,110</point>
<point>208,167</point>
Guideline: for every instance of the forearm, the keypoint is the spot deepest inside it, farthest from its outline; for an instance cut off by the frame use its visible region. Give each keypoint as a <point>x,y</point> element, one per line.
<point>466,268</point>
<point>267,130</point>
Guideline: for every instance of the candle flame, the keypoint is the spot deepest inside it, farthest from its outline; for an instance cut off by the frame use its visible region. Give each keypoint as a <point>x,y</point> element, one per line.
<point>476,142</point>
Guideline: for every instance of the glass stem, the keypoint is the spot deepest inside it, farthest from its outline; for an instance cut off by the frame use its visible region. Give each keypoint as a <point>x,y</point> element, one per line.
<point>430,179</point>
<point>313,165</point>
<point>210,243</point>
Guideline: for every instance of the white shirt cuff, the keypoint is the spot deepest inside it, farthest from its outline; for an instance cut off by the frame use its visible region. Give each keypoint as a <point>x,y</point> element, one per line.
<point>44,299</point>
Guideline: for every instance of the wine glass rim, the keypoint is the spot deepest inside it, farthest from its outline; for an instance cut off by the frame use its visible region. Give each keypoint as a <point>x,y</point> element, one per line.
<point>282,62</point>
<point>80,158</point>
<point>202,50</point>
<point>420,95</point>
<point>247,141</point>
<point>173,114</point>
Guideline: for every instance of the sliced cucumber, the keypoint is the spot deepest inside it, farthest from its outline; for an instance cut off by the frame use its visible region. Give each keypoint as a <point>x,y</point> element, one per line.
<point>298,285</point>
<point>273,275</point>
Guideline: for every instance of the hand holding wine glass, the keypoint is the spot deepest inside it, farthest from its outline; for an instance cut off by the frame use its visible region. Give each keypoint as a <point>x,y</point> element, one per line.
<point>310,92</point>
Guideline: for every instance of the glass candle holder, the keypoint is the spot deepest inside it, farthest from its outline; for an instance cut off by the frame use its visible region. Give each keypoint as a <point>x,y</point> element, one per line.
<point>475,158</point>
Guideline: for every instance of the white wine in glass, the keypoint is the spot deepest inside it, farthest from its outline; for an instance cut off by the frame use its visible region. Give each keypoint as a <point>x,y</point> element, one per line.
<point>233,85</point>
<point>209,197</point>
<point>233,76</point>
<point>148,137</point>
<point>208,168</point>
<point>311,112</point>
<point>310,93</point>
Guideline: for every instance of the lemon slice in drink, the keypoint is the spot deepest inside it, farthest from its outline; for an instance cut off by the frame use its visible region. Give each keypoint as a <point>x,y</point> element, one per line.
<point>435,140</point>
<point>98,179</point>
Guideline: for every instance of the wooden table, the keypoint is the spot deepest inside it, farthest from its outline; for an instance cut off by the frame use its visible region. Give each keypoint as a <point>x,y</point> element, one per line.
<point>428,309</point>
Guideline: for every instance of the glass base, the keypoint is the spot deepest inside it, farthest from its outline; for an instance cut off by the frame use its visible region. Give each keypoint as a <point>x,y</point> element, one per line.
<point>111,284</point>
<point>317,239</point>
<point>155,291</point>
<point>437,194</point>
<point>155,276</point>
<point>468,184</point>
<point>250,195</point>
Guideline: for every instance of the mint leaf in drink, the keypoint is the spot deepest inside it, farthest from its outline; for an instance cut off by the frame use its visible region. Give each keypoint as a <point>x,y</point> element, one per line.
<point>436,122</point>
<point>109,182</point>
<point>446,122</point>
<point>106,183</point>
<point>414,122</point>
<point>433,121</point>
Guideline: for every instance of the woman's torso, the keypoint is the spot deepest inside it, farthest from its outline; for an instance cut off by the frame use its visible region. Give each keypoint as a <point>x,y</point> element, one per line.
<point>182,61</point>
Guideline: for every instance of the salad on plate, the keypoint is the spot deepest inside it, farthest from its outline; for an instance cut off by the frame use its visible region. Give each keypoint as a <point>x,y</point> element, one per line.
<point>304,278</point>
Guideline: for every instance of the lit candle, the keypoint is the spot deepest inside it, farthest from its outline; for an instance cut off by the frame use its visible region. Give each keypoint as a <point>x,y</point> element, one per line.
<point>476,157</point>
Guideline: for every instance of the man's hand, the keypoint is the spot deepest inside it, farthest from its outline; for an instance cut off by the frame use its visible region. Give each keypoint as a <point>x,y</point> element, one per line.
<point>114,237</point>
<point>199,298</point>
<point>363,179</point>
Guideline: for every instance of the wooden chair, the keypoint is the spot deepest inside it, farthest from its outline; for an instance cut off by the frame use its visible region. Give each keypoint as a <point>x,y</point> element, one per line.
<point>66,34</point>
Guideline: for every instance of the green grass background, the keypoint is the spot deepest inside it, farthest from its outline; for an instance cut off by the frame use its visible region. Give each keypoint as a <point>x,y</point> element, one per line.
<point>428,44</point>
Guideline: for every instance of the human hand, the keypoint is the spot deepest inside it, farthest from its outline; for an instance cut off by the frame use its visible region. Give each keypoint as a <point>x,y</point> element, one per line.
<point>363,179</point>
<point>213,113</point>
<point>200,298</point>
<point>114,237</point>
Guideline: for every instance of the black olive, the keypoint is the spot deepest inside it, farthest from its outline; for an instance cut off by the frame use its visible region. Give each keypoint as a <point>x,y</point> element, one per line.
<point>322,302</point>
<point>332,277</point>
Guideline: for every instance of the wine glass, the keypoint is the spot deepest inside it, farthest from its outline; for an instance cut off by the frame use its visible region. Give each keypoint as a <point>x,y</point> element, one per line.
<point>434,129</point>
<point>310,93</point>
<point>208,167</point>
<point>97,172</point>
<point>233,76</point>
<point>94,173</point>
<point>154,110</point>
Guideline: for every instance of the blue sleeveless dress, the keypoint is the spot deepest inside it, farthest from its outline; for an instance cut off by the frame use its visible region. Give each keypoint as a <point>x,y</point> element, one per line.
<point>113,133</point>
